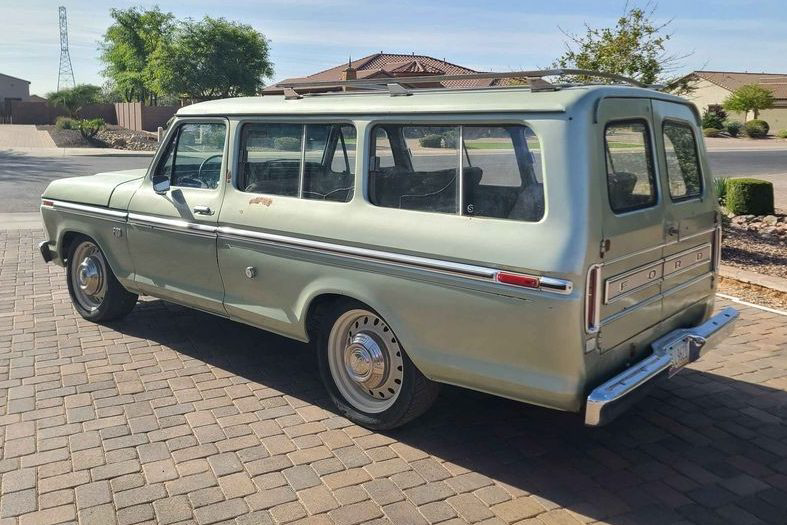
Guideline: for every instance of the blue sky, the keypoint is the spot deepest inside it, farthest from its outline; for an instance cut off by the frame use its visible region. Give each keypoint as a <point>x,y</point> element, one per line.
<point>310,35</point>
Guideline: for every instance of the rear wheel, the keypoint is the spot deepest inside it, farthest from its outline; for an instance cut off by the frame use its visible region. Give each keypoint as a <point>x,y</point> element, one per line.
<point>95,291</point>
<point>367,372</point>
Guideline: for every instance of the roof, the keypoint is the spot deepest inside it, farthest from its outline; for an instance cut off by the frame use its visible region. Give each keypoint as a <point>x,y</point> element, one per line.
<point>384,65</point>
<point>731,80</point>
<point>434,101</point>
<point>15,78</point>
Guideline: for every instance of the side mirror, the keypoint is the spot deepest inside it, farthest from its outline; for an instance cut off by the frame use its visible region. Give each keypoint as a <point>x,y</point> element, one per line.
<point>160,184</point>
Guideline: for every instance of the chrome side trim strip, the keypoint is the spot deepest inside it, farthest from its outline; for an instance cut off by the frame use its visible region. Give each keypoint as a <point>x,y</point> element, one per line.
<point>86,209</point>
<point>547,284</point>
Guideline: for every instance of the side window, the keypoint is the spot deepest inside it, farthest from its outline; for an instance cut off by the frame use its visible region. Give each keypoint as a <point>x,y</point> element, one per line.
<point>683,167</point>
<point>417,168</point>
<point>423,171</point>
<point>193,158</point>
<point>502,175</point>
<point>631,177</point>
<point>329,162</point>
<point>271,158</point>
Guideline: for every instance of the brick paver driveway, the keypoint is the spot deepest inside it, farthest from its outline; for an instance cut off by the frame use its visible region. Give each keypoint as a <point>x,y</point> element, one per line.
<point>174,416</point>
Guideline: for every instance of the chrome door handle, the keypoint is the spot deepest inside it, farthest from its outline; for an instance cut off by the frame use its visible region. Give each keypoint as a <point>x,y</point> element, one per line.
<point>203,210</point>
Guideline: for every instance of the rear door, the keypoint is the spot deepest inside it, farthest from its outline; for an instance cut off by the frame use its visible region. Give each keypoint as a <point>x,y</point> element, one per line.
<point>690,212</point>
<point>633,208</point>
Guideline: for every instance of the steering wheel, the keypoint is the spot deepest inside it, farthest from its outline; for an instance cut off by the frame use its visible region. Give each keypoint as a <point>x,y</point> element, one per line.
<point>204,162</point>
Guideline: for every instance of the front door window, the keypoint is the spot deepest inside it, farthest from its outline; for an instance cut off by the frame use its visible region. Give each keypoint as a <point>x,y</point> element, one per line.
<point>193,158</point>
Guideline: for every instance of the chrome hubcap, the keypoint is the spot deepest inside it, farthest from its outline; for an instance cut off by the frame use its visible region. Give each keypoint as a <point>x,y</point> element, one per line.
<point>365,361</point>
<point>88,276</point>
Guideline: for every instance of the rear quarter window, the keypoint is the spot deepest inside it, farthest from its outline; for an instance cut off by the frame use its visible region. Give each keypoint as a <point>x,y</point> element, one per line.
<point>631,177</point>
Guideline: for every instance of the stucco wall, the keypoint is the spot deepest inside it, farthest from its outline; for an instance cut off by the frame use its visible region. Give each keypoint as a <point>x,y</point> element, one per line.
<point>707,93</point>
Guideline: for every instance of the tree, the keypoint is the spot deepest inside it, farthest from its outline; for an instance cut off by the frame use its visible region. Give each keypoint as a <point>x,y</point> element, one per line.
<point>127,47</point>
<point>747,98</point>
<point>76,98</point>
<point>634,47</point>
<point>212,58</point>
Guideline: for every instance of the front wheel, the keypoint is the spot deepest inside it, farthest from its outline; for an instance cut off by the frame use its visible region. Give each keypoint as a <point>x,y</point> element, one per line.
<point>367,373</point>
<point>95,291</point>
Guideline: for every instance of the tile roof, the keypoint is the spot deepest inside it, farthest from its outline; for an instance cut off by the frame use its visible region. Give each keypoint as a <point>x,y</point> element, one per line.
<point>394,65</point>
<point>776,82</point>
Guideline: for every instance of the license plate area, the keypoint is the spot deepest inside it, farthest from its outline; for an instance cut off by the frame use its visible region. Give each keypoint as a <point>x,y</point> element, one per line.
<point>680,355</point>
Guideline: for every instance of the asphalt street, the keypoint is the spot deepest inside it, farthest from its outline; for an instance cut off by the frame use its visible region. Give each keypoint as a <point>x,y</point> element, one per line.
<point>24,177</point>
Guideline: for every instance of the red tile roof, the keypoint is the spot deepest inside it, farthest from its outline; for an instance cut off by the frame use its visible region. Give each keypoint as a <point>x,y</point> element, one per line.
<point>391,65</point>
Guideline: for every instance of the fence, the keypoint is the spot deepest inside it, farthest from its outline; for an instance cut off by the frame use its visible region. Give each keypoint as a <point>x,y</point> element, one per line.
<point>131,115</point>
<point>137,116</point>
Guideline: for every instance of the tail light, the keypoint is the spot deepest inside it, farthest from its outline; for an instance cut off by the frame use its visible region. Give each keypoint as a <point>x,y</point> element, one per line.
<point>593,299</point>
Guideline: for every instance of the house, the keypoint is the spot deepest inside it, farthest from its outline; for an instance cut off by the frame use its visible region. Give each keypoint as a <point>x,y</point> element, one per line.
<point>13,88</point>
<point>712,87</point>
<point>383,66</point>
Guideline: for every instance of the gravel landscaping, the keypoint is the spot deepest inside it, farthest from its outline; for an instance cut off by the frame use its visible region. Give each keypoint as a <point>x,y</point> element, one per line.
<point>757,244</point>
<point>109,137</point>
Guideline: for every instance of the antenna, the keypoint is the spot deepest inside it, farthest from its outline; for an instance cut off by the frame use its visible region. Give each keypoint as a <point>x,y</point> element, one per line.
<point>65,77</point>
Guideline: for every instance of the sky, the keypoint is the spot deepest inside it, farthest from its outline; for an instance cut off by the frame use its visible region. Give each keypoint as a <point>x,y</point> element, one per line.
<point>307,36</point>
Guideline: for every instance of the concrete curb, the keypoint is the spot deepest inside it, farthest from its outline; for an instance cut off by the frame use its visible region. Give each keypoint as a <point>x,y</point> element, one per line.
<point>757,279</point>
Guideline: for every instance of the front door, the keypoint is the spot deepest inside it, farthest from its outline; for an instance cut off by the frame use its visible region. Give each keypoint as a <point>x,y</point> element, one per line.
<point>173,217</point>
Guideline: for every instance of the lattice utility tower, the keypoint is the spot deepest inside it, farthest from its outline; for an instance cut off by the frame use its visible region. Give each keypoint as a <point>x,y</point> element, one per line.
<point>65,78</point>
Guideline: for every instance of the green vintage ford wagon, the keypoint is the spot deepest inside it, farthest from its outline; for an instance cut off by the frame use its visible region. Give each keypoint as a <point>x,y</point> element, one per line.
<point>554,244</point>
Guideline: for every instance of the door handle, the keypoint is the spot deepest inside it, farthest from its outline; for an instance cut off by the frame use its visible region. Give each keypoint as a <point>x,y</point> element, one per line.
<point>672,231</point>
<point>203,210</point>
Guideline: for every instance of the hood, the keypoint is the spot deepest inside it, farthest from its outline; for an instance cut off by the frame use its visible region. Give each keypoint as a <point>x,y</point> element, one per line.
<point>94,189</point>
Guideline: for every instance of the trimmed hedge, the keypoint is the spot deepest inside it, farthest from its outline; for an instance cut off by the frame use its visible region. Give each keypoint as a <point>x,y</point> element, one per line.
<point>749,197</point>
<point>756,129</point>
<point>782,134</point>
<point>733,127</point>
<point>431,141</point>
<point>287,144</point>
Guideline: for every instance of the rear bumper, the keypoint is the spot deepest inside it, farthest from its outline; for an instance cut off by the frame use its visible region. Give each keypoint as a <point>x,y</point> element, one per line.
<point>46,253</point>
<point>614,396</point>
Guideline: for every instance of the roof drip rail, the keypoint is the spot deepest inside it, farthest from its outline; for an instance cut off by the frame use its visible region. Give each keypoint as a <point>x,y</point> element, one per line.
<point>533,78</point>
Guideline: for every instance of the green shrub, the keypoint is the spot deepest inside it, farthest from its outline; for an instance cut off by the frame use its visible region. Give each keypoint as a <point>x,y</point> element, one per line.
<point>287,144</point>
<point>713,117</point>
<point>65,123</point>
<point>720,186</point>
<point>431,141</point>
<point>782,134</point>
<point>451,139</point>
<point>89,127</point>
<point>749,197</point>
<point>711,132</point>
<point>756,129</point>
<point>733,127</point>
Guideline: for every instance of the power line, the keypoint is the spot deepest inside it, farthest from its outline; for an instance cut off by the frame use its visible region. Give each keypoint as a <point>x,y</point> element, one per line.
<point>65,77</point>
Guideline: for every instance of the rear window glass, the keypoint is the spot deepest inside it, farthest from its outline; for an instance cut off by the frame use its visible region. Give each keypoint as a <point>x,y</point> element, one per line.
<point>418,168</point>
<point>683,167</point>
<point>631,179</point>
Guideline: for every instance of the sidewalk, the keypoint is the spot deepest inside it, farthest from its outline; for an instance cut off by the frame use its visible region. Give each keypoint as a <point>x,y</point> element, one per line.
<point>75,152</point>
<point>744,144</point>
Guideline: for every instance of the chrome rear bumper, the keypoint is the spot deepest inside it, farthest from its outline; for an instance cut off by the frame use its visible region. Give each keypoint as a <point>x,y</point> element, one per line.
<point>613,397</point>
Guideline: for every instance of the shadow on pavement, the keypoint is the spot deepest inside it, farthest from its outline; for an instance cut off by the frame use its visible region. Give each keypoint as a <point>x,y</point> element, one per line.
<point>701,448</point>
